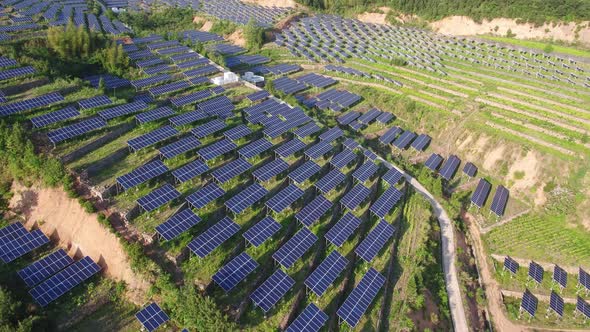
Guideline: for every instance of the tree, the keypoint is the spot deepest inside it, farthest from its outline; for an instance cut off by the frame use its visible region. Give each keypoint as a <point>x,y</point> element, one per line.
<point>254,35</point>
<point>548,48</point>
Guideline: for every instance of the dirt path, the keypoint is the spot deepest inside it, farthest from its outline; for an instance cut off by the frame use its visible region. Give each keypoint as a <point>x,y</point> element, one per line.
<point>63,220</point>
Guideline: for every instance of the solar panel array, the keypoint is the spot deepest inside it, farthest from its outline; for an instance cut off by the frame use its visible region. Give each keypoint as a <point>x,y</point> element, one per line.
<point>330,181</point>
<point>390,135</point>
<point>270,170</point>
<point>208,128</point>
<point>205,195</point>
<point>470,169</point>
<point>122,110</point>
<point>343,229</point>
<point>326,273</point>
<point>511,265</point>
<point>421,142</point>
<point>536,272</point>
<point>179,147</point>
<point>343,158</point>
<point>55,117</point>
<point>375,240</point>
<point>304,172</point>
<point>159,135</point>
<point>93,102</point>
<point>142,174</point>
<point>348,117</point>
<point>556,303</point>
<point>583,307</point>
<point>295,248</point>
<point>152,317</point>
<point>289,148</point>
<point>272,290</point>
<point>237,132</point>
<point>500,200</point>
<point>255,148</point>
<point>365,171</point>
<point>312,319</point>
<point>213,237</point>
<point>158,197</point>
<point>584,278</point>
<point>178,224</point>
<point>480,195</point>
<point>313,211</point>
<point>307,130</point>
<point>529,303</point>
<point>21,245</point>
<point>262,231</point>
<point>385,203</point>
<point>155,114</point>
<point>357,303</point>
<point>232,273</point>
<point>369,116</point>
<point>217,149</point>
<point>45,267</point>
<point>355,197</point>
<point>31,103</point>
<point>392,176</point>
<point>318,150</point>
<point>560,276</point>
<point>246,198</point>
<point>258,95</point>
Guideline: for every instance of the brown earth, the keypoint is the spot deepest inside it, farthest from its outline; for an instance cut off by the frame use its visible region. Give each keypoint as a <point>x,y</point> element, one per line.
<point>80,233</point>
<point>273,3</point>
<point>375,17</point>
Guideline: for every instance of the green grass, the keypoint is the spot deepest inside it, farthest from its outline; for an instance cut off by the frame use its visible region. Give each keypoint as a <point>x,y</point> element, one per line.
<point>548,239</point>
<point>540,45</point>
<point>543,318</point>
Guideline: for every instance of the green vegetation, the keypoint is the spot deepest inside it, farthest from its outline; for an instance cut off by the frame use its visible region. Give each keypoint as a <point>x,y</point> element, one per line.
<point>160,21</point>
<point>555,46</point>
<point>254,35</point>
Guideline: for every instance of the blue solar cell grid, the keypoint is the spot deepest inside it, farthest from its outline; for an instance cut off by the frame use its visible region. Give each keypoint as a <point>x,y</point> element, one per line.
<point>205,195</point>
<point>155,114</point>
<point>272,290</point>
<point>499,201</point>
<point>295,248</point>
<point>390,135</point>
<point>365,171</point>
<point>529,303</point>
<point>536,272</point>
<point>355,197</point>
<point>93,102</point>
<point>190,170</point>
<point>259,95</point>
<point>142,174</point>
<point>330,181</point>
<point>255,148</point>
<point>326,273</point>
<point>208,128</point>
<point>158,197</point>
<point>270,170</point>
<point>289,148</point>
<point>332,134</point>
<point>45,267</point>
<point>18,247</point>
<point>151,138</point>
<point>189,117</point>
<point>343,158</point>
<point>318,150</point>
<point>304,172</point>
<point>235,271</point>
<point>386,202</point>
<point>31,103</point>
<point>313,211</point>
<point>470,169</point>
<point>307,130</point>
<point>343,229</point>
<point>246,198</point>
<point>450,167</point>
<point>404,140</point>
<point>361,297</point>
<point>178,224</point>
<point>583,307</point>
<point>122,110</point>
<point>55,117</point>
<point>284,198</point>
<point>392,176</point>
<point>231,170</point>
<point>217,149</point>
<point>556,303</point>
<point>433,162</point>
<point>560,276</point>
<point>152,317</point>
<point>12,232</point>
<point>421,142</point>
<point>263,230</point>
<point>179,147</point>
<point>213,237</point>
<point>511,265</point>
<point>375,240</point>
<point>237,132</point>
<point>481,193</point>
<point>369,116</point>
<point>312,319</point>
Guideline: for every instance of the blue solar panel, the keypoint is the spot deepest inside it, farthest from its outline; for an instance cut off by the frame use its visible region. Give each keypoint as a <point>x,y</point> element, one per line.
<point>16,72</point>
<point>95,102</point>
<point>392,176</point>
<point>284,198</point>
<point>450,167</point>
<point>421,142</point>
<point>480,195</point>
<point>255,148</point>
<point>529,303</point>
<point>29,104</point>
<point>272,290</point>
<point>330,181</point>
<point>55,117</point>
<point>470,169</point>
<point>189,117</point>
<point>155,114</point>
<point>404,140</point>
<point>235,271</point>
<point>583,307</point>
<point>350,144</point>
<point>12,232</point>
<point>361,297</point>
<point>433,162</point>
<point>217,149</point>
<point>295,248</point>
<point>263,230</point>
<point>536,272</point>
<point>355,196</point>
<point>178,224</point>
<point>343,158</point>
<point>205,195</point>
<point>122,110</point>
<point>560,276</point>
<point>313,211</point>
<point>259,95</point>
<point>208,128</point>
<point>312,319</point>
<point>237,132</point>
<point>213,237</point>
<point>390,135</point>
<point>384,117</point>
<point>349,117</point>
<point>511,265</point>
<point>375,240</point>
<point>152,80</point>
<point>326,273</point>
<point>386,202</point>
<point>246,198</point>
<point>307,130</point>
<point>332,134</point>
<point>369,116</point>
<point>18,247</point>
<point>270,170</point>
<point>173,87</point>
<point>343,229</point>
<point>304,172</point>
<point>179,147</point>
<point>158,197</point>
<point>142,174</point>
<point>45,267</point>
<point>500,200</point>
<point>231,170</point>
<point>152,317</point>
<point>290,147</point>
<point>556,303</point>
<point>76,129</point>
<point>190,170</point>
<point>365,171</point>
<point>64,281</point>
<point>151,138</point>
<point>318,150</point>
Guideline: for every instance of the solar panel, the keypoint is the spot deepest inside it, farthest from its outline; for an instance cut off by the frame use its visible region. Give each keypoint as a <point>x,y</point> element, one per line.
<point>375,240</point>
<point>142,174</point>
<point>480,195</point>
<point>213,237</point>
<point>272,290</point>
<point>304,172</point>
<point>470,169</point>
<point>349,117</point>
<point>289,148</point>
<point>370,155</point>
<point>235,271</point>
<point>237,132</point>
<point>155,114</point>
<point>307,130</point>
<point>179,147</point>
<point>255,148</point>
<point>331,134</point>
<point>284,198</point>
<point>556,303</point>
<point>390,135</point>
<point>158,197</point>
<point>159,135</point>
<point>16,72</point>
<point>365,171</point>
<point>385,117</point>
<point>330,181</point>
<point>122,110</point>
<point>499,201</point>
<point>318,150</point>
<point>433,162</point>
<point>584,278</point>
<point>343,158</point>
<point>385,203</point>
<point>350,144</point>
<point>55,117</point>
<point>392,176</point>
<point>404,140</point>
<point>93,102</point>
<point>421,142</point>
<point>152,80</point>
<point>270,170</point>
<point>231,170</point>
<point>313,211</point>
<point>361,297</point>
<point>258,95</point>
<point>217,149</point>
<point>152,317</point>
<point>326,273</point>
<point>205,195</point>
<point>263,230</point>
<point>355,197</point>
<point>529,303</point>
<point>64,281</point>
<point>450,167</point>
<point>190,170</point>
<point>560,276</point>
<point>45,267</point>
<point>12,232</point>
<point>161,90</point>
<point>369,116</point>
<point>18,247</point>
<point>312,319</point>
<point>511,265</point>
<point>343,229</point>
<point>583,307</point>
<point>295,248</point>
<point>31,103</point>
<point>178,224</point>
<point>189,117</point>
<point>208,128</point>
<point>246,198</point>
<point>7,62</point>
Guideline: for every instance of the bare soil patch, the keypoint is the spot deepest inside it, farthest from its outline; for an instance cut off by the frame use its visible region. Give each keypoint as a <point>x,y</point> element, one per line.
<point>65,222</point>
<point>375,17</point>
<point>237,38</point>
<point>273,3</point>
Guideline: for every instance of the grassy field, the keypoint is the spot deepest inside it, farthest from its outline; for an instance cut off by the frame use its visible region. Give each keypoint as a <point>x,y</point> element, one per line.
<point>541,45</point>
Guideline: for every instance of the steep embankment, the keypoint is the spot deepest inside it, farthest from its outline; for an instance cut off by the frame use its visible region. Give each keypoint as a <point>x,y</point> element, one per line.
<point>65,222</point>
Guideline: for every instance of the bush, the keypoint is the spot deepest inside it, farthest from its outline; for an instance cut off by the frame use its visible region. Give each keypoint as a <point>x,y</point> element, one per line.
<point>87,205</point>
<point>254,35</point>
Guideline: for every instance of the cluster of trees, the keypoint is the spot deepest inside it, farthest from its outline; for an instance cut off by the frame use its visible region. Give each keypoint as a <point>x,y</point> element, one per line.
<point>71,42</point>
<point>536,11</point>
<point>254,35</point>
<point>160,22</point>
